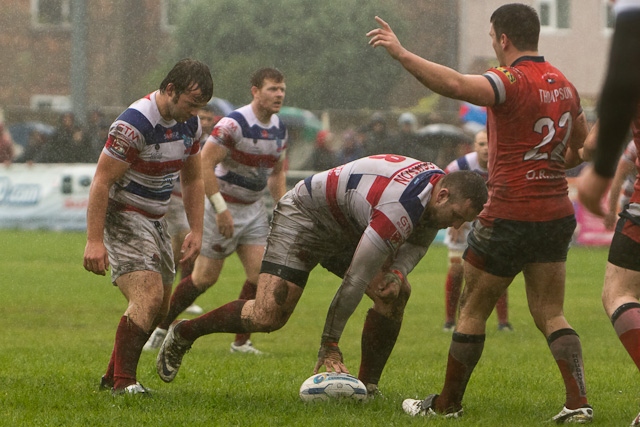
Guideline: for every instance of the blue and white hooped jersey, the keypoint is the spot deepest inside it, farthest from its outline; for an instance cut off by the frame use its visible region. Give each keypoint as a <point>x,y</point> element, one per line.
<point>382,196</point>
<point>254,149</point>
<point>155,150</point>
<point>468,162</point>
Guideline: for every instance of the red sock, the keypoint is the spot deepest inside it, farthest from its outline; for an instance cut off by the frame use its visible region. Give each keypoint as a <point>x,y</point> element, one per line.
<point>129,342</point>
<point>626,322</point>
<point>248,292</point>
<point>186,270</point>
<point>227,318</point>
<point>108,376</point>
<point>452,289</point>
<point>464,353</point>
<point>501,309</point>
<point>183,296</point>
<point>379,336</point>
<point>567,351</point>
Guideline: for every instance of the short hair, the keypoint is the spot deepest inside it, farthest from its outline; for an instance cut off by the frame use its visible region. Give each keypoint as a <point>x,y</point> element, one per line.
<point>466,184</point>
<point>187,75</point>
<point>520,23</point>
<point>208,108</point>
<point>259,76</point>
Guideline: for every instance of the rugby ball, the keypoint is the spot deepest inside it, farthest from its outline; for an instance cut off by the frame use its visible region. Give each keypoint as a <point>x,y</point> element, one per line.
<point>331,385</point>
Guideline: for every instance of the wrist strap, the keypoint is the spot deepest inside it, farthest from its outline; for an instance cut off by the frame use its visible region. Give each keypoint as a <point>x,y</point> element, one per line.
<point>218,203</point>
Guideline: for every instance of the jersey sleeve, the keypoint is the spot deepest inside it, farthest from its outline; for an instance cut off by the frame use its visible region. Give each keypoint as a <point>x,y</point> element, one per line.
<point>503,81</point>
<point>124,142</point>
<point>226,133</point>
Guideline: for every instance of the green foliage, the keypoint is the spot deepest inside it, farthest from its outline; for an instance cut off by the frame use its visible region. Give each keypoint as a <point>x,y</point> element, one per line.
<point>59,322</point>
<point>320,46</point>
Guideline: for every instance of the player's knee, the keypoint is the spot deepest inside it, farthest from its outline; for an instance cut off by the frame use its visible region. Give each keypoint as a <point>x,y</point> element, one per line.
<point>271,321</point>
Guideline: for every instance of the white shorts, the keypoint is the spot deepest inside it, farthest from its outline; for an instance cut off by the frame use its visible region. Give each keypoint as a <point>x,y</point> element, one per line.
<point>176,216</point>
<point>137,243</point>
<point>250,227</point>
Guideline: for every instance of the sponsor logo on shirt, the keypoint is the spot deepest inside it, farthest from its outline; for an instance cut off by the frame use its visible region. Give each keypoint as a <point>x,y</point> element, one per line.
<point>507,73</point>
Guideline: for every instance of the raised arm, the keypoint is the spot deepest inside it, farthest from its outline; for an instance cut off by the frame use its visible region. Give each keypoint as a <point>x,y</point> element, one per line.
<point>445,81</point>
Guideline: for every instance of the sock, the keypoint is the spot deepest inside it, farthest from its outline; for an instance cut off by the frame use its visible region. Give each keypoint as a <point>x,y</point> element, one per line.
<point>567,351</point>
<point>464,353</point>
<point>183,296</point>
<point>227,318</point>
<point>129,342</point>
<point>248,292</point>
<point>501,309</point>
<point>626,322</point>
<point>186,270</point>
<point>379,336</point>
<point>108,376</point>
<point>452,289</point>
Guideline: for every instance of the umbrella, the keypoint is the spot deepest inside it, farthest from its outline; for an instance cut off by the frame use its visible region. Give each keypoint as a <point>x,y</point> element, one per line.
<point>442,133</point>
<point>304,120</point>
<point>20,132</point>
<point>440,142</point>
<point>221,107</point>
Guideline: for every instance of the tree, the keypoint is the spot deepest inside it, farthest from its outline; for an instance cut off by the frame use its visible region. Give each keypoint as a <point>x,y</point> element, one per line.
<point>320,46</point>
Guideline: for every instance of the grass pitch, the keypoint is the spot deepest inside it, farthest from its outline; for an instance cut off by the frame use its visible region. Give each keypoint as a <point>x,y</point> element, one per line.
<point>58,325</point>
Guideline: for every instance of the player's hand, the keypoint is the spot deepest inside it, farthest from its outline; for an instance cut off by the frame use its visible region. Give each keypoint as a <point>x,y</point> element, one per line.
<point>330,356</point>
<point>96,259</point>
<point>385,37</point>
<point>592,189</point>
<point>388,288</point>
<point>225,224</point>
<point>190,248</point>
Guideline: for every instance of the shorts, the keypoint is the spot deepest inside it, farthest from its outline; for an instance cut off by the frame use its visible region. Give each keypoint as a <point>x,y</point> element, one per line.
<point>137,243</point>
<point>625,245</point>
<point>250,227</point>
<point>296,244</point>
<point>505,247</point>
<point>176,216</point>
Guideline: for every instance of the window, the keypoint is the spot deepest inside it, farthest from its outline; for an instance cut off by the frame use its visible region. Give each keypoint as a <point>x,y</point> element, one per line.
<point>170,12</point>
<point>51,13</point>
<point>555,13</point>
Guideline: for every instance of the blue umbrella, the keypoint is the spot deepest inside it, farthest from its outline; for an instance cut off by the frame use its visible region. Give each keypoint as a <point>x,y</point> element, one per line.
<point>20,132</point>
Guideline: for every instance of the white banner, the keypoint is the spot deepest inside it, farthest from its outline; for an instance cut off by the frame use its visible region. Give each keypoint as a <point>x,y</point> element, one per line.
<point>45,196</point>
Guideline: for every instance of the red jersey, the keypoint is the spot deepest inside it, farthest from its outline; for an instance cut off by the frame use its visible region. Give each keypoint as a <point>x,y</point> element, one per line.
<point>635,127</point>
<point>528,129</point>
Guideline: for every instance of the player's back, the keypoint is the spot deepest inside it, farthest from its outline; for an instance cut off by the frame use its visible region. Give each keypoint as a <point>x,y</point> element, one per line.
<point>390,190</point>
<point>528,131</point>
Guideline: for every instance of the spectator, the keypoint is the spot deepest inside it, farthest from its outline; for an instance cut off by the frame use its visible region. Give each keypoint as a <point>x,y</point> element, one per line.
<point>323,156</point>
<point>407,142</point>
<point>96,132</point>
<point>78,149</point>
<point>58,148</point>
<point>7,150</point>
<point>36,150</point>
<point>377,140</point>
<point>352,146</point>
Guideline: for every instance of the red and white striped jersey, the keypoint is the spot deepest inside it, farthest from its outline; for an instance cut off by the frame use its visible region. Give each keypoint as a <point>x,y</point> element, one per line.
<point>381,196</point>
<point>155,150</point>
<point>254,149</point>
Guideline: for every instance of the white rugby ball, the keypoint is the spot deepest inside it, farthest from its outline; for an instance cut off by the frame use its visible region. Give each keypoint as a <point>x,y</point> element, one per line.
<point>331,385</point>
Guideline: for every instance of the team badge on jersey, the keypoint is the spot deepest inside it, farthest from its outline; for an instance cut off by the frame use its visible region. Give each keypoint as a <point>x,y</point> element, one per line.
<point>507,73</point>
<point>118,146</point>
